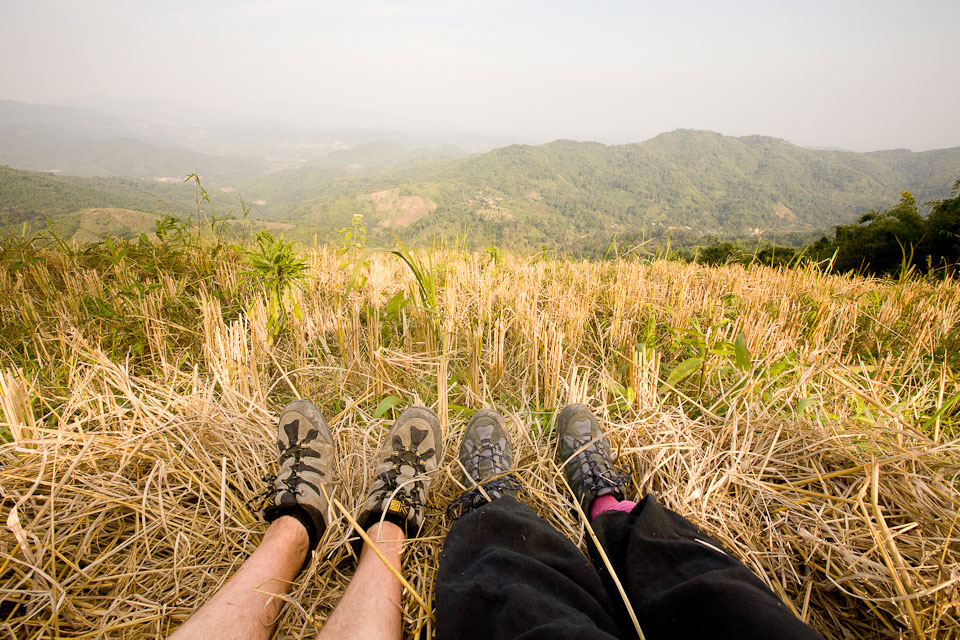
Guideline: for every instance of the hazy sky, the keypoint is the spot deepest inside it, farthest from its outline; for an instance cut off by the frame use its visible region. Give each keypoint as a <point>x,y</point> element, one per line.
<point>858,75</point>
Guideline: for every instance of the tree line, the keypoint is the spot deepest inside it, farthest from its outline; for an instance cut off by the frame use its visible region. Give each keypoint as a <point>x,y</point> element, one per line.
<point>880,242</point>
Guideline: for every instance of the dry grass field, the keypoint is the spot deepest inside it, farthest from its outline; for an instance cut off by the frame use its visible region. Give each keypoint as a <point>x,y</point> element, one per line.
<point>807,421</point>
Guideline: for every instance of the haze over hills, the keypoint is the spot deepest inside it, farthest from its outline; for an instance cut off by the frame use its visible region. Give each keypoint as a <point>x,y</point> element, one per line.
<point>564,194</point>
<point>273,145</point>
<point>61,151</point>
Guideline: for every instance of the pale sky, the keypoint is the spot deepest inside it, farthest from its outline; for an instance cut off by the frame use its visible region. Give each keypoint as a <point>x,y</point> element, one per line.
<point>858,75</point>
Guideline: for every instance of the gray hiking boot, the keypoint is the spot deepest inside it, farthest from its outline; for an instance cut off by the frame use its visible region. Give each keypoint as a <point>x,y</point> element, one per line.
<point>407,459</point>
<point>303,485</point>
<point>586,456</point>
<point>487,458</point>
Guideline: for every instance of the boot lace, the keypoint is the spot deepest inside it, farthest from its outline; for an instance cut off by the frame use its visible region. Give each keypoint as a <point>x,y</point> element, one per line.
<point>258,502</point>
<point>596,470</point>
<point>408,456</point>
<point>469,500</point>
<point>492,451</point>
<point>292,480</point>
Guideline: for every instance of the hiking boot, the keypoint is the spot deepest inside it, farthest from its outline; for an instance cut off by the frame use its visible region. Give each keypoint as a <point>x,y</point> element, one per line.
<point>487,458</point>
<point>407,459</point>
<point>302,486</point>
<point>586,456</point>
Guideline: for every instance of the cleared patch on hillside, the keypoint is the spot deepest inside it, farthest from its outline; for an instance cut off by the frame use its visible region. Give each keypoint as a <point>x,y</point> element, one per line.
<point>95,224</point>
<point>495,214</point>
<point>400,211</point>
<point>783,212</point>
<point>268,225</point>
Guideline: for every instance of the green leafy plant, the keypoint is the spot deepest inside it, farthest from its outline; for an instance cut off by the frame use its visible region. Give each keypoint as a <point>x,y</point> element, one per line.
<point>277,267</point>
<point>200,196</point>
<point>354,236</point>
<point>385,405</point>
<point>170,229</point>
<point>18,253</point>
<point>425,275</point>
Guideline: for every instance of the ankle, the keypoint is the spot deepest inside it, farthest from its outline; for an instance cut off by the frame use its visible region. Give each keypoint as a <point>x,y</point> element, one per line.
<point>292,530</point>
<point>386,531</point>
<point>298,515</point>
<point>388,538</point>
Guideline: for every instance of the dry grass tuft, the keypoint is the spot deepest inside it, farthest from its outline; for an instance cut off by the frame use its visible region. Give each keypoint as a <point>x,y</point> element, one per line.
<point>820,447</point>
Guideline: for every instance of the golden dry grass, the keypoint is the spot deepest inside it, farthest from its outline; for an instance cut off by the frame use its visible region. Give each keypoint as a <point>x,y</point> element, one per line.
<point>828,464</point>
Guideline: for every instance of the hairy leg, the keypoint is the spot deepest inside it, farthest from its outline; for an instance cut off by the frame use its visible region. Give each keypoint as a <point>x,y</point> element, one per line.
<point>237,610</point>
<point>370,607</point>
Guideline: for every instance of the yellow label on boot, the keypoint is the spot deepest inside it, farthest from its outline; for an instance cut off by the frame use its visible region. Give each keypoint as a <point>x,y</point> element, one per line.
<point>397,507</point>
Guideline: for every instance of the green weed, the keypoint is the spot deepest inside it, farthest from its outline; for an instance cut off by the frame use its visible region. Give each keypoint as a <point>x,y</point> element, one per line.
<point>276,267</point>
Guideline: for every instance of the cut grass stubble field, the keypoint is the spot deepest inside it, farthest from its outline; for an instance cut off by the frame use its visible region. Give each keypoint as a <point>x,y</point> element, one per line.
<point>807,421</point>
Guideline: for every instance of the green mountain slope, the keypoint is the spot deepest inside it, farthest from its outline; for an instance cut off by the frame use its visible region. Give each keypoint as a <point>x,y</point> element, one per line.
<point>568,194</point>
<point>926,173</point>
<point>565,195</point>
<point>25,196</point>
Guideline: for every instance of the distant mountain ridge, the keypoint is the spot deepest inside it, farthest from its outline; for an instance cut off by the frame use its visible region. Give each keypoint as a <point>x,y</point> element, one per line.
<point>58,151</point>
<point>273,146</point>
<point>564,194</point>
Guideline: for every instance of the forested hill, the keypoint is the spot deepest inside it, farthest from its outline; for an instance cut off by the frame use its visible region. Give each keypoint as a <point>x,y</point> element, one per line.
<point>27,196</point>
<point>566,193</point>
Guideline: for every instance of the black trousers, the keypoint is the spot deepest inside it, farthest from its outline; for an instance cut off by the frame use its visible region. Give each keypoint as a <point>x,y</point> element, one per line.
<point>506,573</point>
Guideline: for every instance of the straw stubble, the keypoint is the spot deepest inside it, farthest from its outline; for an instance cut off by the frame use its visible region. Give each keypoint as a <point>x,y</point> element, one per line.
<point>830,474</point>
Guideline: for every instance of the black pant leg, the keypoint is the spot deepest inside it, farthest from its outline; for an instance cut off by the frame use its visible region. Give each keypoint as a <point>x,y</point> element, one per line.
<point>682,584</point>
<point>506,573</point>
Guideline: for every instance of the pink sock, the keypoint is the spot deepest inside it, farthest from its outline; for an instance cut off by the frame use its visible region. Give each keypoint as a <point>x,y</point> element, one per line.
<point>609,503</point>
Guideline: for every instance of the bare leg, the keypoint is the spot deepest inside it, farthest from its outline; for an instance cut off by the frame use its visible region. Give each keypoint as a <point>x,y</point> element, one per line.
<point>370,607</point>
<point>237,610</point>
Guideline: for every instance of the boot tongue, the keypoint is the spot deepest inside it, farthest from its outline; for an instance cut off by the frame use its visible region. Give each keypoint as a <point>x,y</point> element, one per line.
<point>397,507</point>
